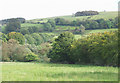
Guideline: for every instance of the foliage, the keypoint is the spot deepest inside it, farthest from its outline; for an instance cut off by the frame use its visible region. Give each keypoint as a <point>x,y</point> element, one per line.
<point>48,27</point>
<point>5,21</point>
<point>38,38</point>
<point>79,30</point>
<point>52,22</point>
<point>86,13</point>
<point>29,39</point>
<point>13,25</point>
<point>97,49</point>
<point>44,48</point>
<point>17,36</point>
<point>31,57</point>
<point>33,48</point>
<point>60,50</point>
<point>3,37</point>
<point>13,51</point>
<point>24,31</point>
<point>89,24</point>
<point>33,29</point>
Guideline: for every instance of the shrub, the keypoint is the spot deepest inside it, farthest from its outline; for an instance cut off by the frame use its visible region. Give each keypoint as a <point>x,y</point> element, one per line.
<point>3,37</point>
<point>38,38</point>
<point>97,49</point>
<point>13,51</point>
<point>31,57</point>
<point>17,36</point>
<point>29,39</point>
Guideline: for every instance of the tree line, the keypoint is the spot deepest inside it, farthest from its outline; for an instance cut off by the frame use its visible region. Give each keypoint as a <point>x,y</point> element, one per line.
<point>86,13</point>
<point>25,48</point>
<point>95,49</point>
<point>15,26</point>
<point>89,24</point>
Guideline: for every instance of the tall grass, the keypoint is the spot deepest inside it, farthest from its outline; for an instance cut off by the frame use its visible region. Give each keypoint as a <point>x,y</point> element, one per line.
<point>57,72</point>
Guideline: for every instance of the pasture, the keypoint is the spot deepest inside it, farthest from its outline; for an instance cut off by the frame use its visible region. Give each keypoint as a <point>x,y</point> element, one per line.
<point>19,71</point>
<point>105,15</point>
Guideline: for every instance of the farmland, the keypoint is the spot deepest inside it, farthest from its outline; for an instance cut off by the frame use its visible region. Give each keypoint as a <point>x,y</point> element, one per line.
<point>104,15</point>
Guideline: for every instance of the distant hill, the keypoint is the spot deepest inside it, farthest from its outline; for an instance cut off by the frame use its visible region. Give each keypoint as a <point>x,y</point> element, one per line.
<point>104,15</point>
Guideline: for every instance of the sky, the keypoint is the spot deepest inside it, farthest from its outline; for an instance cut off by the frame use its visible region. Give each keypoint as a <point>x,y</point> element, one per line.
<point>33,9</point>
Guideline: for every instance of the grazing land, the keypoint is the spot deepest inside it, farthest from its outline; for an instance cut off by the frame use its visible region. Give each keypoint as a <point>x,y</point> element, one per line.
<point>104,15</point>
<point>18,71</point>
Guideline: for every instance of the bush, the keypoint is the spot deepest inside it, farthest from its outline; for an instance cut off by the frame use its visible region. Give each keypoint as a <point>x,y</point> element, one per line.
<point>29,39</point>
<point>38,38</point>
<point>31,57</point>
<point>24,31</point>
<point>17,36</point>
<point>13,51</point>
<point>97,49</point>
<point>3,37</point>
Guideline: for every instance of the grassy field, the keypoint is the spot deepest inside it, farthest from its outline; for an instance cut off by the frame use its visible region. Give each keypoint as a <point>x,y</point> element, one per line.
<point>104,15</point>
<point>26,25</point>
<point>57,72</point>
<point>100,30</point>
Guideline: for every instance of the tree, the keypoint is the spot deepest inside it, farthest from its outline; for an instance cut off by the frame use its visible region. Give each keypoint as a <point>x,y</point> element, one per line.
<point>17,36</point>
<point>60,50</point>
<point>60,21</point>
<point>13,51</point>
<point>31,57</point>
<point>48,27</point>
<point>86,13</point>
<point>82,29</point>
<point>30,29</point>
<point>38,38</point>
<point>13,25</point>
<point>79,30</point>
<point>52,22</point>
<point>3,37</point>
<point>35,29</point>
<point>93,25</point>
<point>24,31</point>
<point>30,39</point>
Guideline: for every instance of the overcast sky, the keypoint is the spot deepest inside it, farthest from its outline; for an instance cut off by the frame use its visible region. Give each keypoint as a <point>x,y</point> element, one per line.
<point>32,9</point>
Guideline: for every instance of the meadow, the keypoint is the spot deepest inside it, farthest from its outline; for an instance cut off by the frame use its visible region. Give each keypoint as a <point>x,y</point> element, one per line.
<point>19,71</point>
<point>105,15</point>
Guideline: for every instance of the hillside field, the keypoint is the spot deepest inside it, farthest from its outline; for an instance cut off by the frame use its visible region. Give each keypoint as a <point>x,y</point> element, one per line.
<point>105,15</point>
<point>18,71</point>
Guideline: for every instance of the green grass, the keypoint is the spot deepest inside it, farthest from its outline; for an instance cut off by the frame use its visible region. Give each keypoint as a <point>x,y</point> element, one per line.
<point>100,30</point>
<point>94,31</point>
<point>57,72</point>
<point>26,25</point>
<point>104,15</point>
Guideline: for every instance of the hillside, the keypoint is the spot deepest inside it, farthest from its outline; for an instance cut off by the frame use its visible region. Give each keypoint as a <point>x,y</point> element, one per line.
<point>104,15</point>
